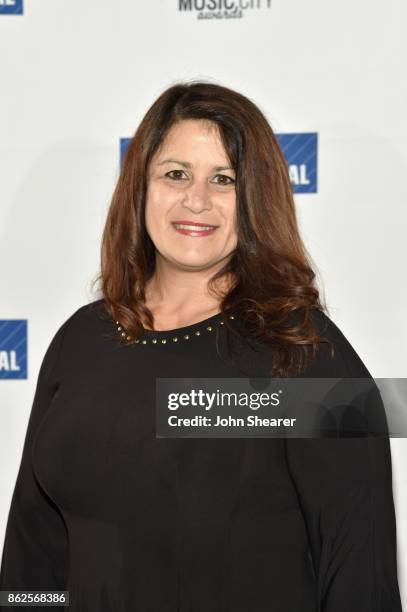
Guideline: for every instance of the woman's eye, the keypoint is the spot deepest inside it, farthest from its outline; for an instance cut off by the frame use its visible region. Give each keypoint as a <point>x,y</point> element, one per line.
<point>229,181</point>
<point>223,176</point>
<point>171,172</point>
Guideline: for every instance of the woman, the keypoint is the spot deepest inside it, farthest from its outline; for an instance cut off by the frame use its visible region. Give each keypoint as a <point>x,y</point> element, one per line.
<point>203,274</point>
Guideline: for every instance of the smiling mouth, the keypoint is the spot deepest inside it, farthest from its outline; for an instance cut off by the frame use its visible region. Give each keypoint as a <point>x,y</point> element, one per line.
<point>190,229</point>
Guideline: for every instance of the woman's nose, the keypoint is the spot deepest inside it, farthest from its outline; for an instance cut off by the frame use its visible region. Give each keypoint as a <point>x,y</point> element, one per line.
<point>197,196</point>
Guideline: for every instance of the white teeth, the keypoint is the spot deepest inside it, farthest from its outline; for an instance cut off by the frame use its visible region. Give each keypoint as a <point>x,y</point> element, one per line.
<point>193,228</point>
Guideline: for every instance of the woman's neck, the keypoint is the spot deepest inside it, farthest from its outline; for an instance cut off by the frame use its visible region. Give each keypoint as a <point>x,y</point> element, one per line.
<point>183,300</point>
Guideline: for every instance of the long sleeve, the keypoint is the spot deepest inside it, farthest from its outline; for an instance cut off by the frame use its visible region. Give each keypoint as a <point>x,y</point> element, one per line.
<point>344,486</point>
<point>35,553</point>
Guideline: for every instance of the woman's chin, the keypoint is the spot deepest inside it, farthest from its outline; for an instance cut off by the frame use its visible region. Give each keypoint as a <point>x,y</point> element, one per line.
<point>194,262</point>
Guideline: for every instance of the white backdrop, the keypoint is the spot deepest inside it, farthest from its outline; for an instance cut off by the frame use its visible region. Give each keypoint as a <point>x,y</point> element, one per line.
<point>77,76</point>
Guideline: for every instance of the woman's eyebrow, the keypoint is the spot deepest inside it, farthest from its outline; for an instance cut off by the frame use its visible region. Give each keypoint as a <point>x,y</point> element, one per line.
<point>189,165</point>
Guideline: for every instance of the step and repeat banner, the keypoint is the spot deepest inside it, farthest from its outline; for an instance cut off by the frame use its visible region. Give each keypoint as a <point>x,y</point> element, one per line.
<point>77,77</point>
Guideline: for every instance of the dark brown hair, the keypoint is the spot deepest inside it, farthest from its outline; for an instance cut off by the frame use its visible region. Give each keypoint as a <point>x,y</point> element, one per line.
<point>274,290</point>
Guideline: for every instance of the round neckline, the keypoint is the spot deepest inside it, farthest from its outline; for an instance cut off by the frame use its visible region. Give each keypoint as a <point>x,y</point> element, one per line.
<point>212,320</point>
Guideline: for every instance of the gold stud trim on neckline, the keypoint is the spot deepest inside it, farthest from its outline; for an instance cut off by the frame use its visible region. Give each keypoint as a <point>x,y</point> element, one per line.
<point>123,334</point>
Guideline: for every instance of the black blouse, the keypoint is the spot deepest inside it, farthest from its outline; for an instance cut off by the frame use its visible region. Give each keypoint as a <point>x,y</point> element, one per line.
<point>126,521</point>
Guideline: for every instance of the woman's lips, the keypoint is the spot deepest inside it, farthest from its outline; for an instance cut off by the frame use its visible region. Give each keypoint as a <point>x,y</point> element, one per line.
<point>198,230</point>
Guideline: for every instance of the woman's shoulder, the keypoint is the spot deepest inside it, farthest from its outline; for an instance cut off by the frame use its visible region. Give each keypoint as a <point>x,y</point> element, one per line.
<point>82,334</point>
<point>345,361</point>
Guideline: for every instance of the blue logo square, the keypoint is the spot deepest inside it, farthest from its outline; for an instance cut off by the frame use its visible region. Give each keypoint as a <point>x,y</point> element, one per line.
<point>300,152</point>
<point>13,348</point>
<point>11,7</point>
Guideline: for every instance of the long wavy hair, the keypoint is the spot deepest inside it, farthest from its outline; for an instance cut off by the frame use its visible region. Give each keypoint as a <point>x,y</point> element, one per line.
<point>274,290</point>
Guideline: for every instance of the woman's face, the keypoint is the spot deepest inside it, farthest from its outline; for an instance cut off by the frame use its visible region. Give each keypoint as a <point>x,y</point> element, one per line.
<point>191,185</point>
